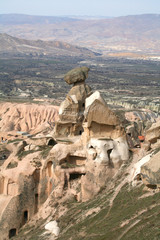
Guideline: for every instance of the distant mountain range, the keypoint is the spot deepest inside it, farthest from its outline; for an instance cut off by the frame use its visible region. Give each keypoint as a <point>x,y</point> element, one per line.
<point>21,19</point>
<point>17,46</point>
<point>139,33</point>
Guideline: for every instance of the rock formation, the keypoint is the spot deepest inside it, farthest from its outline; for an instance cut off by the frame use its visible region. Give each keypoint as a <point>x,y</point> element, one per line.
<point>153,133</point>
<point>26,117</point>
<point>86,150</point>
<point>72,108</point>
<point>76,75</point>
<point>26,180</point>
<point>150,171</point>
<point>101,147</point>
<point>84,154</point>
<point>99,120</point>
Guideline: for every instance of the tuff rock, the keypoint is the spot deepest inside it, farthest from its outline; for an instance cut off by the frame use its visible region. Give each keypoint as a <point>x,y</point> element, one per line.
<point>76,75</point>
<point>150,171</point>
<point>86,150</point>
<point>71,112</point>
<point>153,133</point>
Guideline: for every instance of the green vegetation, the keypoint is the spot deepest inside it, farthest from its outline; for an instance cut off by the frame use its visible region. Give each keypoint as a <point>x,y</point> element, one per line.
<point>4,154</point>
<point>120,80</point>
<point>127,208</point>
<point>23,153</point>
<point>45,150</point>
<point>132,216</point>
<point>67,141</point>
<point>156,151</point>
<point>15,140</point>
<point>33,232</point>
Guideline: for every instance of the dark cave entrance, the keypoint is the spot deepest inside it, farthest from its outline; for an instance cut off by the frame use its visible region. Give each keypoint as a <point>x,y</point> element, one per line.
<point>12,232</point>
<point>51,142</point>
<point>25,217</point>
<point>152,186</point>
<point>36,203</point>
<point>109,154</point>
<point>74,176</point>
<point>109,157</point>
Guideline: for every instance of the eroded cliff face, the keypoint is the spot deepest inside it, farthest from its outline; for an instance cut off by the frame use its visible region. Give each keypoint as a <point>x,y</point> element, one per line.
<point>25,184</point>
<point>31,118</point>
<point>86,149</point>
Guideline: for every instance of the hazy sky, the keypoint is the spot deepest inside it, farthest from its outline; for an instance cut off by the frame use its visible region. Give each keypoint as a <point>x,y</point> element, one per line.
<point>80,7</point>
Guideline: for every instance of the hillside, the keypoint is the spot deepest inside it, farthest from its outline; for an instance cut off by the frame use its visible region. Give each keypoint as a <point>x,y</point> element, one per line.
<point>26,117</point>
<point>139,33</point>
<point>16,46</point>
<point>85,173</point>
<point>133,215</point>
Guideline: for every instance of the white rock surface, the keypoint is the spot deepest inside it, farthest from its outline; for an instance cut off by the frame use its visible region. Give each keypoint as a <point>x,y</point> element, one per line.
<point>120,150</point>
<point>100,147</point>
<point>137,167</point>
<point>92,98</point>
<point>53,227</point>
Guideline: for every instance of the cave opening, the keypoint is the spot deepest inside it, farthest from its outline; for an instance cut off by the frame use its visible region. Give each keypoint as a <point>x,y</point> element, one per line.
<point>51,142</point>
<point>25,217</point>
<point>12,232</point>
<point>109,154</point>
<point>109,157</point>
<point>36,203</point>
<point>74,176</point>
<point>152,186</point>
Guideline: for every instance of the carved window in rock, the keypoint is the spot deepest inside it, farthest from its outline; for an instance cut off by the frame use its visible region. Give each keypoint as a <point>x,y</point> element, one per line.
<point>12,232</point>
<point>109,153</point>
<point>36,199</point>
<point>80,131</point>
<point>51,142</point>
<point>25,217</point>
<point>109,157</point>
<point>152,186</point>
<point>76,175</point>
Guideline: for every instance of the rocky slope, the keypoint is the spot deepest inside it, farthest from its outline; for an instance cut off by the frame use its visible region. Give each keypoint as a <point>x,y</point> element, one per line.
<point>124,204</point>
<point>29,118</point>
<point>90,178</point>
<point>16,46</point>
